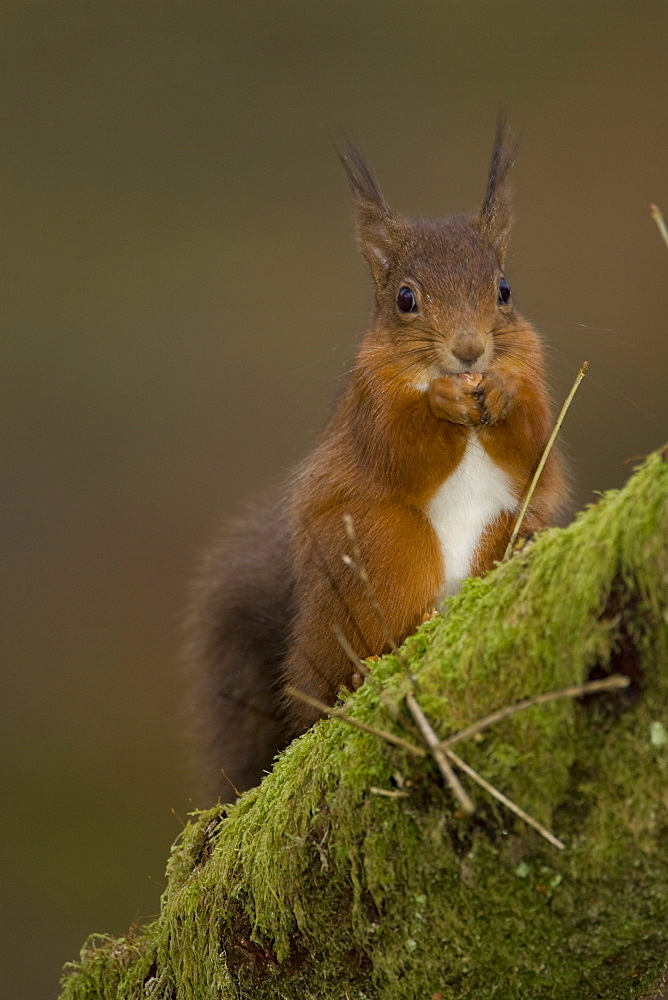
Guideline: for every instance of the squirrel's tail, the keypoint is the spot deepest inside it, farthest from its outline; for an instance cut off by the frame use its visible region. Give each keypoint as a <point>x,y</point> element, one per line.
<point>237,632</point>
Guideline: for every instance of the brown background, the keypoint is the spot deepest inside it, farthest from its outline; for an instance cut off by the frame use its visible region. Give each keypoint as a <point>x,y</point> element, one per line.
<point>180,295</point>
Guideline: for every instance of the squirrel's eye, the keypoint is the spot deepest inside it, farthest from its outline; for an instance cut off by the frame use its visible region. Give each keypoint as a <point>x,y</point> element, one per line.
<point>406,299</point>
<point>504,292</point>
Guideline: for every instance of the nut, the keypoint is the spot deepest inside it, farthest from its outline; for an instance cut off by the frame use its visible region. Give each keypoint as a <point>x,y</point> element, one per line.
<point>473,378</point>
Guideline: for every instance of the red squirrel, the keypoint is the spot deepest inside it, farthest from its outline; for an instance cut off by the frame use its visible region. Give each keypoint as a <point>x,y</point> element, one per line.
<point>430,449</point>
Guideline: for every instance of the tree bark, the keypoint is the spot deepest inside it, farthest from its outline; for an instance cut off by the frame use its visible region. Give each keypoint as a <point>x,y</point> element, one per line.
<point>318,885</point>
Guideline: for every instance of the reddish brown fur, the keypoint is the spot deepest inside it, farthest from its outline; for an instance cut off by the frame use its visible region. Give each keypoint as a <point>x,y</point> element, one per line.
<point>401,428</point>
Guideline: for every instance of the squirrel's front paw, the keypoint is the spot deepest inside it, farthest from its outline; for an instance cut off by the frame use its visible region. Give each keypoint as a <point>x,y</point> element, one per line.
<point>497,393</point>
<point>452,398</point>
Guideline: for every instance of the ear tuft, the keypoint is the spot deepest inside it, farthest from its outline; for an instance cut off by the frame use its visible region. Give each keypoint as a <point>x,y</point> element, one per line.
<point>495,215</point>
<point>362,181</point>
<point>376,226</point>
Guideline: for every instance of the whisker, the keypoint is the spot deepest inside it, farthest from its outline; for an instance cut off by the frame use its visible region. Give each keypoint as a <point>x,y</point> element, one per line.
<point>614,390</point>
<point>610,332</point>
<point>411,358</point>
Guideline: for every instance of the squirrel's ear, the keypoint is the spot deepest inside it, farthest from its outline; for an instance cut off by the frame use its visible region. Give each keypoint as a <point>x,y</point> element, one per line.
<point>376,226</point>
<point>495,215</point>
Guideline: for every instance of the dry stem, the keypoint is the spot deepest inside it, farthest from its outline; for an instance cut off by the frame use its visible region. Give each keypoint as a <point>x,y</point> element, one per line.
<point>432,741</point>
<point>340,713</point>
<point>358,664</point>
<point>387,793</point>
<point>613,683</point>
<point>657,215</point>
<point>356,563</point>
<point>541,465</point>
<point>467,769</point>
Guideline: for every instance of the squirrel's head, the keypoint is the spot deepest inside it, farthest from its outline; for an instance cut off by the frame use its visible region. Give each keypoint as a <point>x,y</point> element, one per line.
<point>439,284</point>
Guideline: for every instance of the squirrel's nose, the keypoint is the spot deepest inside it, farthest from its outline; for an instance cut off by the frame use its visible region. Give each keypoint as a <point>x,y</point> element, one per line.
<point>468,351</point>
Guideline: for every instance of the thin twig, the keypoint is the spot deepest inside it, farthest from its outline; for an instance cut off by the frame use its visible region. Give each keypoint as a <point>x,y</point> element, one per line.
<point>387,793</point>
<point>176,815</point>
<point>613,683</point>
<point>356,563</point>
<point>467,769</point>
<point>340,713</point>
<point>358,664</point>
<point>541,465</point>
<point>230,782</point>
<point>657,215</point>
<point>432,741</point>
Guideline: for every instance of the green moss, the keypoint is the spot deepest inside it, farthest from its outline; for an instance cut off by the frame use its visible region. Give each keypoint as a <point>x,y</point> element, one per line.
<point>312,886</point>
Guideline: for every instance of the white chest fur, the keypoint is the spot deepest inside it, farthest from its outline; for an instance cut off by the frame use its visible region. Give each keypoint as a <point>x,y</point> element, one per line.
<point>468,501</point>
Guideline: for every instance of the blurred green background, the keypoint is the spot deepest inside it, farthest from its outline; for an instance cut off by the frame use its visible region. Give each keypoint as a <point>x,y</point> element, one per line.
<point>180,296</point>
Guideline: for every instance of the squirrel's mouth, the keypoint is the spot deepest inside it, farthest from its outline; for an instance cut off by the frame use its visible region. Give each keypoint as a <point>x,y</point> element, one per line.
<point>472,376</point>
<point>467,367</point>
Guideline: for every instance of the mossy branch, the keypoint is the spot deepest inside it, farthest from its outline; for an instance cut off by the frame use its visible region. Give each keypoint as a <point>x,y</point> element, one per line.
<point>351,872</point>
